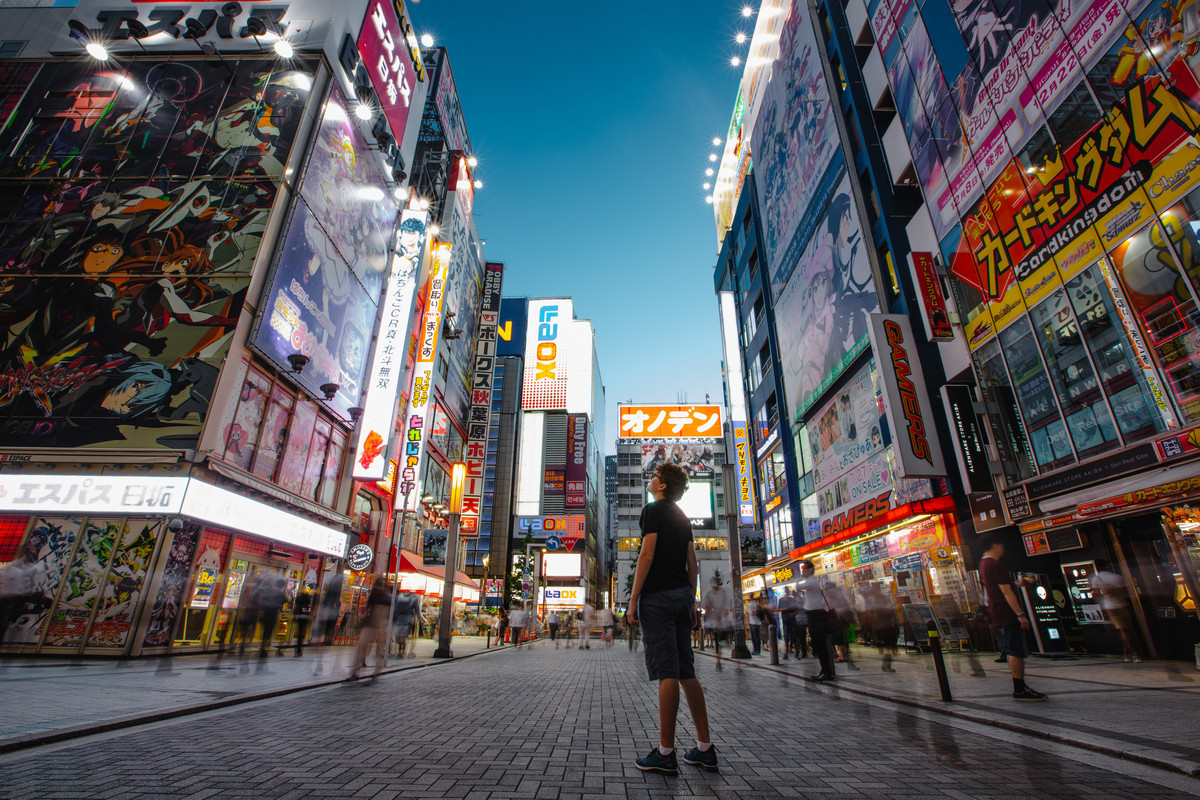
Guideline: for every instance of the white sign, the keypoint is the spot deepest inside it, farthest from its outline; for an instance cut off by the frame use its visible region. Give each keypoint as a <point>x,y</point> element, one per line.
<point>209,503</point>
<point>92,494</point>
<point>546,354</point>
<point>379,410</point>
<point>562,596</point>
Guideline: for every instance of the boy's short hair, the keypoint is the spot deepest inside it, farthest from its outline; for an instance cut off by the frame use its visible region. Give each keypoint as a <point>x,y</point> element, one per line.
<point>990,540</point>
<point>674,480</point>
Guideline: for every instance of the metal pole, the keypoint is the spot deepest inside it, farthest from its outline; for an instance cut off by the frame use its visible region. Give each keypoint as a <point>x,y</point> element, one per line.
<point>397,535</point>
<point>447,617</point>
<point>728,481</point>
<point>939,663</point>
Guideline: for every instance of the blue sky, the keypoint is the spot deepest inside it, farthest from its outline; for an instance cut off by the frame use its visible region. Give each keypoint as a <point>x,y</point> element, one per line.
<point>592,131</point>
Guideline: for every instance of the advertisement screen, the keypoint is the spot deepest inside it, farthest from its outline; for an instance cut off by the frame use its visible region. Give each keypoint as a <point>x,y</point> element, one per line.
<point>696,459</point>
<point>464,288</point>
<point>562,565</point>
<point>795,142</point>
<point>697,503</point>
<point>128,238</point>
<point>822,313</point>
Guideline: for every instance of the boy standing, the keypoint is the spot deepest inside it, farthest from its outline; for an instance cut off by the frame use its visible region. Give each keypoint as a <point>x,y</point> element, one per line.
<point>663,602</point>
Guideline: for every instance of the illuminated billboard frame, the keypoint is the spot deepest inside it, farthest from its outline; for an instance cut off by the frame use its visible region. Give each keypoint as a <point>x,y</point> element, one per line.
<point>547,354</point>
<point>640,421</point>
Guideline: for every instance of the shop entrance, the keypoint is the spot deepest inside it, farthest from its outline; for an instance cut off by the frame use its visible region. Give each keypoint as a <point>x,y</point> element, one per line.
<point>1160,581</point>
<point>238,620</point>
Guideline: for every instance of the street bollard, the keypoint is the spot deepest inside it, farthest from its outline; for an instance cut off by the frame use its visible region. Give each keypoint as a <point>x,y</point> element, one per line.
<point>489,640</point>
<point>774,645</point>
<point>939,663</point>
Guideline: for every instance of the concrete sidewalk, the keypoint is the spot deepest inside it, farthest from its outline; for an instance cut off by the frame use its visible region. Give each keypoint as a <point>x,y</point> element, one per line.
<point>1146,712</point>
<point>47,700</point>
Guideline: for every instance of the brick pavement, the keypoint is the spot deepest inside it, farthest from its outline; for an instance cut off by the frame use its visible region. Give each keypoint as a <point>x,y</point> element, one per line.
<point>561,725</point>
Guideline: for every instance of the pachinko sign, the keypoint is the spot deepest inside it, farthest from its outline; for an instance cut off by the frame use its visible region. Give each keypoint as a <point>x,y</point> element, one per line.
<point>669,422</point>
<point>387,366</point>
<point>392,57</point>
<point>418,403</point>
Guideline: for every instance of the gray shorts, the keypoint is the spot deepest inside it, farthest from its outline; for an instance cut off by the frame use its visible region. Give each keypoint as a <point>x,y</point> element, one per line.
<point>666,622</point>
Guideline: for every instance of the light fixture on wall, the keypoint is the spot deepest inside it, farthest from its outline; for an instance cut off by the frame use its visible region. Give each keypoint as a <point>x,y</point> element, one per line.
<point>330,390</point>
<point>81,33</point>
<point>298,361</point>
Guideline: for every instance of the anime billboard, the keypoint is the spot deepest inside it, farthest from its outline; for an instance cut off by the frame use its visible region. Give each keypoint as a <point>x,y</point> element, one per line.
<point>823,311</point>
<point>464,291</point>
<point>126,251</point>
<point>796,147</point>
<point>330,270</point>
<point>698,460</point>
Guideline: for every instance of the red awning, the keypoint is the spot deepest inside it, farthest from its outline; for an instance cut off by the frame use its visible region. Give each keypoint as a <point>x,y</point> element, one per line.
<point>411,562</point>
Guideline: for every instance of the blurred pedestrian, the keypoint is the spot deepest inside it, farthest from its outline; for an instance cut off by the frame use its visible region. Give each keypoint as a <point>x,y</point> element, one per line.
<point>586,618</point>
<point>631,632</point>
<point>837,601</point>
<point>1005,612</point>
<point>374,628</point>
<point>248,613</point>
<point>884,621</point>
<point>662,602</point>
<point>718,612</point>
<point>604,618</point>
<point>789,606</point>
<point>302,617</point>
<point>518,620</point>
<point>271,598</point>
<point>553,622</point>
<point>328,613</point>
<point>1109,588</point>
<point>814,604</point>
<point>21,589</point>
<point>404,614</point>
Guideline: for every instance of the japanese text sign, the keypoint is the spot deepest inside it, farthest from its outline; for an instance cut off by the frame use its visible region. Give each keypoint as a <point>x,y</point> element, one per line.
<point>482,386</point>
<point>669,422</point>
<point>389,52</point>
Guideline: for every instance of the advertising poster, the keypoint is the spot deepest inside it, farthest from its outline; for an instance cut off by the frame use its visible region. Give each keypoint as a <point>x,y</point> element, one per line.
<point>754,549</point>
<point>50,542</point>
<point>433,550</point>
<point>169,601</point>
<point>822,313</point>
<point>330,270</point>
<point>847,429</point>
<point>126,248</point>
<point>83,583</point>
<point>669,422</point>
<point>697,459</point>
<point>464,288</point>
<point>546,354</point>
<point>576,472</point>
<point>127,575</point>
<point>449,107</point>
<point>795,140</point>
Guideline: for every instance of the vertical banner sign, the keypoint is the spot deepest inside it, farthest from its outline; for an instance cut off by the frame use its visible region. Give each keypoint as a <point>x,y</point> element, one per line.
<point>931,293</point>
<point>387,366</point>
<point>392,58</point>
<point>747,509</point>
<point>918,452</point>
<point>972,455</point>
<point>414,425</point>
<point>480,414</point>
<point>576,478</point>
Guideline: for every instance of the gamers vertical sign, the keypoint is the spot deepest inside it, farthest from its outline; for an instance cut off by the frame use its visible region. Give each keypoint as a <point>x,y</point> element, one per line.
<point>480,414</point>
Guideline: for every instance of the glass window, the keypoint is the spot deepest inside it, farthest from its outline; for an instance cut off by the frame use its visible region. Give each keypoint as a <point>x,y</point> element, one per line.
<point>1047,434</point>
<point>243,434</point>
<point>1071,374</point>
<point>1108,340</point>
<point>274,433</point>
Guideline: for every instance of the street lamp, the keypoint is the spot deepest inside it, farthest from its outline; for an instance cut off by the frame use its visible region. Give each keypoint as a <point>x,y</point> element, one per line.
<point>729,481</point>
<point>458,476</point>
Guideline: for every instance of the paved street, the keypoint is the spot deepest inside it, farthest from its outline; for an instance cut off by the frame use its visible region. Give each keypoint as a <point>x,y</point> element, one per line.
<point>546,723</point>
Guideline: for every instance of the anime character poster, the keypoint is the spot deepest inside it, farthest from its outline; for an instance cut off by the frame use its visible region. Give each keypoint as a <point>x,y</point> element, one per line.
<point>822,312</point>
<point>794,144</point>
<point>51,542</point>
<point>169,601</point>
<point>324,293</point>
<point>848,428</point>
<point>127,575</point>
<point>84,582</point>
<point>126,252</point>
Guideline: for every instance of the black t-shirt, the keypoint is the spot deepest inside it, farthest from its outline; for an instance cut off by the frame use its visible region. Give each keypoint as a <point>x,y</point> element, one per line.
<point>669,569</point>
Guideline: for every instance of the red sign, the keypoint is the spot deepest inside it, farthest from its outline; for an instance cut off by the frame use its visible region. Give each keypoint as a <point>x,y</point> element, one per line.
<point>935,301</point>
<point>576,473</point>
<point>391,55</point>
<point>1029,215</point>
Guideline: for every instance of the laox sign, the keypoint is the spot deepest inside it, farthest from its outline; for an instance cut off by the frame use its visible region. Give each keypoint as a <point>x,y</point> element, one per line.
<point>547,350</point>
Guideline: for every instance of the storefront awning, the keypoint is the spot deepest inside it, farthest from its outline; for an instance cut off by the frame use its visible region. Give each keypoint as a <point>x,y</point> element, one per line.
<point>434,576</point>
<point>1089,502</point>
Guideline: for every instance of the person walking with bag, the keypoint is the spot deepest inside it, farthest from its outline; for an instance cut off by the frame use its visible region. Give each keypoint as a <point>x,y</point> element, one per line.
<point>374,628</point>
<point>663,602</point>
